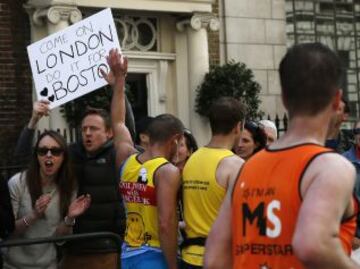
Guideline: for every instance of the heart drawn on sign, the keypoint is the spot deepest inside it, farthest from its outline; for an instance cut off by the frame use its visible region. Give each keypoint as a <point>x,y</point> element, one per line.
<point>51,98</point>
<point>44,92</point>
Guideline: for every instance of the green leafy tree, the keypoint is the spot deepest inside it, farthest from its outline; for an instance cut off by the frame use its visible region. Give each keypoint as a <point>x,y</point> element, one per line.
<point>74,110</point>
<point>101,98</point>
<point>231,79</point>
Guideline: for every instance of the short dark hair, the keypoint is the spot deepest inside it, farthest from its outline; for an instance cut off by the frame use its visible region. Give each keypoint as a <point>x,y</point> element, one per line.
<point>100,112</point>
<point>310,74</point>
<point>142,126</point>
<point>163,127</point>
<point>224,114</point>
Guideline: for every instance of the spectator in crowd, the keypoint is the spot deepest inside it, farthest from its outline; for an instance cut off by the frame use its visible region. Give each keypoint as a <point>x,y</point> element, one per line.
<point>142,133</point>
<point>151,232</point>
<point>44,203</point>
<point>294,199</point>
<point>353,154</point>
<point>206,176</point>
<point>252,140</point>
<point>270,131</point>
<point>94,162</point>
<point>337,139</point>
<point>7,220</point>
<point>186,147</point>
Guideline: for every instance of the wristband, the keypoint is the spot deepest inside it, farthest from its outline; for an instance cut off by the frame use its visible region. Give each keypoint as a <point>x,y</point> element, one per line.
<point>69,222</point>
<point>26,222</point>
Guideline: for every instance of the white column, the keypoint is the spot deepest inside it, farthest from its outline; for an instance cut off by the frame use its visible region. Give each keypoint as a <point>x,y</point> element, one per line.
<point>44,22</point>
<point>198,66</point>
<point>182,78</point>
<point>58,18</point>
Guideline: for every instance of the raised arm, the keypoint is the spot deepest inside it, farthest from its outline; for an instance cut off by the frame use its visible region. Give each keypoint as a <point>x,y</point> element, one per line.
<point>23,147</point>
<point>326,188</point>
<point>167,186</point>
<point>116,78</point>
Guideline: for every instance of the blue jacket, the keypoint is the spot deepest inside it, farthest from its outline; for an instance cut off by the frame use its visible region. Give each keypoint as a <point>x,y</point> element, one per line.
<point>351,156</point>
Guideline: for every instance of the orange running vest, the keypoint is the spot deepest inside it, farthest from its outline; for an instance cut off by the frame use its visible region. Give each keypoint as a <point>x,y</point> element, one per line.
<point>265,205</point>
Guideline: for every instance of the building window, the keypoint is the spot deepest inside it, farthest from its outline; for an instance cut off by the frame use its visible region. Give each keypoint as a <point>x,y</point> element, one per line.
<point>335,23</point>
<point>136,33</point>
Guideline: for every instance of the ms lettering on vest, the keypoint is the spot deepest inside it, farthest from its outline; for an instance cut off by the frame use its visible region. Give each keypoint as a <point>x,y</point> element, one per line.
<point>263,220</point>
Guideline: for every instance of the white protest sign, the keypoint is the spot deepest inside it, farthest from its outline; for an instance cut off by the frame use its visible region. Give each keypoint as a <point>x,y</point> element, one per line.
<point>66,65</point>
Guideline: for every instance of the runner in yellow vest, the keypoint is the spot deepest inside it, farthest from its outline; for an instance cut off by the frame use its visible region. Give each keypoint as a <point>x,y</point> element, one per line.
<point>149,182</point>
<point>206,176</point>
<point>138,190</point>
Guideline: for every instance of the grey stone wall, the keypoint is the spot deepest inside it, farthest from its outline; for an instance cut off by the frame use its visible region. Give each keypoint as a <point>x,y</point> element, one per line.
<point>254,32</point>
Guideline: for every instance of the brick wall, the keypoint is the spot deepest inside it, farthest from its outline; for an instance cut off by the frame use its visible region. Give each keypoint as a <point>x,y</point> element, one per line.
<point>15,78</point>
<point>213,39</point>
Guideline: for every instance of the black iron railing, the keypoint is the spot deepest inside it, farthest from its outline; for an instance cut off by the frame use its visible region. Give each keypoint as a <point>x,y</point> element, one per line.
<point>66,238</point>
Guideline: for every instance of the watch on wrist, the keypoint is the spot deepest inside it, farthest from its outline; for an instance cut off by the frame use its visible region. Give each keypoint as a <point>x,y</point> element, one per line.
<point>69,222</point>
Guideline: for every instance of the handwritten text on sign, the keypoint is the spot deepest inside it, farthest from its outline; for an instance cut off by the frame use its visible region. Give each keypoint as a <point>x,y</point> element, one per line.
<point>67,64</point>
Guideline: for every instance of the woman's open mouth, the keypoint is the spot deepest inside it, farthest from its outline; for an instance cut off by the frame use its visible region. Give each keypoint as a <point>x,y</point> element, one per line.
<point>49,163</point>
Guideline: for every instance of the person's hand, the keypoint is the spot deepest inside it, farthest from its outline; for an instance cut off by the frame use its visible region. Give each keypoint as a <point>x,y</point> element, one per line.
<point>118,64</point>
<point>355,243</point>
<point>40,109</point>
<point>40,205</point>
<point>79,206</point>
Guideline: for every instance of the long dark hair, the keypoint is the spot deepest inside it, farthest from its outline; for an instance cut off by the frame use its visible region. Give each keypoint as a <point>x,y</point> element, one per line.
<point>64,180</point>
<point>258,134</point>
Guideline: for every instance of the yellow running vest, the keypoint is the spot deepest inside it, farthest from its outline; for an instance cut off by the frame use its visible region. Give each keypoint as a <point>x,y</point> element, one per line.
<point>139,195</point>
<point>202,197</point>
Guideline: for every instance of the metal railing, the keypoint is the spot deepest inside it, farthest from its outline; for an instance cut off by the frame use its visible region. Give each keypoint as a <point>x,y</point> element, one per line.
<point>66,238</point>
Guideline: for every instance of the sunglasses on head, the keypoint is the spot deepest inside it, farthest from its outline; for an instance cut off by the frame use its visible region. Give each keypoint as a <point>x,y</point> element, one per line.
<point>187,131</point>
<point>252,125</point>
<point>54,151</point>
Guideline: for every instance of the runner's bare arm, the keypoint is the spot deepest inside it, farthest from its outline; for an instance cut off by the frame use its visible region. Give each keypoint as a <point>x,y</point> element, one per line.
<point>167,185</point>
<point>228,170</point>
<point>326,189</point>
<point>218,245</point>
<point>122,138</point>
<point>218,249</point>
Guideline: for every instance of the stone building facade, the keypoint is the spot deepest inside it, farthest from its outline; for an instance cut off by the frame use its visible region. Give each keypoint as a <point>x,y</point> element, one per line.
<point>253,32</point>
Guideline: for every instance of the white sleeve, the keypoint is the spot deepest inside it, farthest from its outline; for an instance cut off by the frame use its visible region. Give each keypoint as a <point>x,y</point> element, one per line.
<point>16,191</point>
